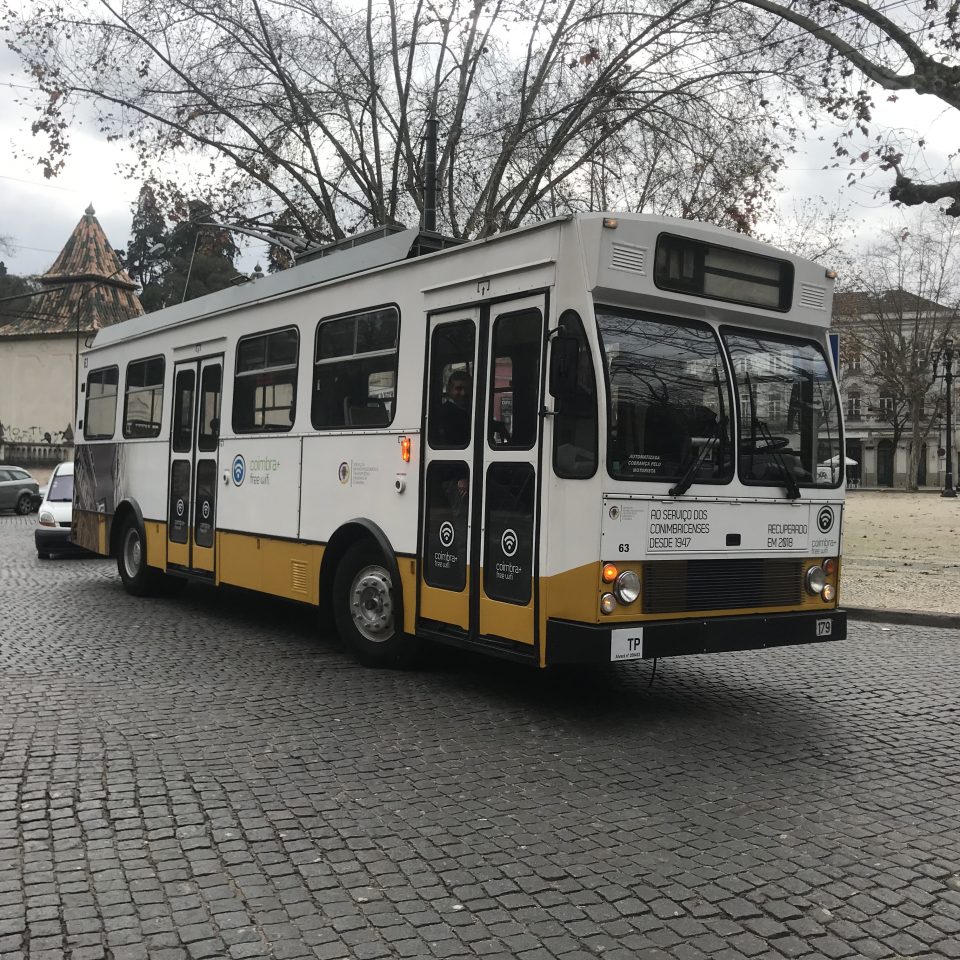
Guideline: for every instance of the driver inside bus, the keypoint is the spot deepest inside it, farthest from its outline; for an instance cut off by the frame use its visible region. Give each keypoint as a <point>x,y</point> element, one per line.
<point>453,417</point>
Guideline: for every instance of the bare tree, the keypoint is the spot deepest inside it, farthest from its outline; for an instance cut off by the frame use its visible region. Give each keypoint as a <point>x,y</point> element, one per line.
<point>861,47</point>
<point>312,111</point>
<point>817,230</point>
<point>898,321</point>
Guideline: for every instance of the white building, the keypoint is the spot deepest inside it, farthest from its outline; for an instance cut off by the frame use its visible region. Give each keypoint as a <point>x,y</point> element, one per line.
<point>871,408</point>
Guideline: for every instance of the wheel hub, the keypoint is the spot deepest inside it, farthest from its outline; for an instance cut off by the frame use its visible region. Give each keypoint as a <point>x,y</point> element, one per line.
<point>132,553</point>
<point>371,604</point>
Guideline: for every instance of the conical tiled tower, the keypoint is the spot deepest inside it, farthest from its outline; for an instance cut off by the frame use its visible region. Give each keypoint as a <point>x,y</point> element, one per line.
<point>85,289</point>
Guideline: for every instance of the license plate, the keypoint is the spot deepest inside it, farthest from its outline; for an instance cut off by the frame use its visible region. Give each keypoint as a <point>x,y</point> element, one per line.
<point>626,644</point>
<point>824,628</point>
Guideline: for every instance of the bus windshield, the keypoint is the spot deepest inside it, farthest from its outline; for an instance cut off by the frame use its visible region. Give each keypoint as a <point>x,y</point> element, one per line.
<point>789,421</point>
<point>669,398</point>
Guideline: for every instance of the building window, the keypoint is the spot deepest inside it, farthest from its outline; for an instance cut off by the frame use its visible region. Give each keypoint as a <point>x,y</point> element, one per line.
<point>100,413</point>
<point>854,359</point>
<point>143,400</point>
<point>265,384</point>
<point>886,405</point>
<point>853,405</point>
<point>355,370</point>
<point>774,408</point>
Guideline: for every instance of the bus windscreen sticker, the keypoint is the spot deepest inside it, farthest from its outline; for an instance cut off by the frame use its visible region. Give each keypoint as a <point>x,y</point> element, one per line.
<point>179,501</point>
<point>204,507</point>
<point>508,553</point>
<point>448,504</point>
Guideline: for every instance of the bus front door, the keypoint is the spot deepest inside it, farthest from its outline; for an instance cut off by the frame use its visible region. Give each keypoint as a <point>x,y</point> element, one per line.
<point>478,574</point>
<point>194,444</point>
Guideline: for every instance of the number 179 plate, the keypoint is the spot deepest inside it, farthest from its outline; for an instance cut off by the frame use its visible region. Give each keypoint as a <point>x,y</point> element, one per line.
<point>824,628</point>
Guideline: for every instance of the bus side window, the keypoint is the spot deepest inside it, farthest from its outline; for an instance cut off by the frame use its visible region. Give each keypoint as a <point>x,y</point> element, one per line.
<point>355,370</point>
<point>100,415</point>
<point>575,423</point>
<point>265,384</point>
<point>143,399</point>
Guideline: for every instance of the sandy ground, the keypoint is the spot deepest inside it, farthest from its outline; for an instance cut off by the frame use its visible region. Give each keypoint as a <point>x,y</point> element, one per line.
<point>901,550</point>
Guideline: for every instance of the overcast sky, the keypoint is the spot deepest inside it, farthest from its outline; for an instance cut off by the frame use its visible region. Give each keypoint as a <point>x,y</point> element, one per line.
<point>37,215</point>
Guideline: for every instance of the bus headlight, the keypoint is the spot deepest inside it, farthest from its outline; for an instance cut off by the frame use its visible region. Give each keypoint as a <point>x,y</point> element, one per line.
<point>628,586</point>
<point>829,592</point>
<point>816,580</point>
<point>608,603</point>
<point>46,519</point>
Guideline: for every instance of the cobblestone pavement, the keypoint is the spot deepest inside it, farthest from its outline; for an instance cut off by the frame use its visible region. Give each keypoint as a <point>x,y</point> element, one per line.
<point>202,777</point>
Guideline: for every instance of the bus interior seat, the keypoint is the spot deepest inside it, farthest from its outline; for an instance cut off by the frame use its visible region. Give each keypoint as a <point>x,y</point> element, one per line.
<point>372,413</point>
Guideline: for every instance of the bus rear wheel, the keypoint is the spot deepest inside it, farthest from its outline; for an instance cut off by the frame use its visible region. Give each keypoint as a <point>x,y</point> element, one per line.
<point>138,579</point>
<point>365,610</point>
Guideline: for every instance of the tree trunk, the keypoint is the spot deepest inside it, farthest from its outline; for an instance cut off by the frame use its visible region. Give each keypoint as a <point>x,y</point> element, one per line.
<point>916,443</point>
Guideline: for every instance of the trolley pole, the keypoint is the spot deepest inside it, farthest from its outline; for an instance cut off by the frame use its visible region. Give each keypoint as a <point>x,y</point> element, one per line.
<point>948,488</point>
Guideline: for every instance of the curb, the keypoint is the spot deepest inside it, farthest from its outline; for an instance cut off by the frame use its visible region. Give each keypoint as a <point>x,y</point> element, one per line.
<point>912,617</point>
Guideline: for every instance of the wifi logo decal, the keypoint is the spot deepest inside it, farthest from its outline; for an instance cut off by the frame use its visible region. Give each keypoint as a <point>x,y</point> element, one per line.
<point>509,542</point>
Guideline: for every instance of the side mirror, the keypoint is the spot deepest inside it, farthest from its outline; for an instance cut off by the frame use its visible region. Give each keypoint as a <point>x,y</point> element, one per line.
<point>564,362</point>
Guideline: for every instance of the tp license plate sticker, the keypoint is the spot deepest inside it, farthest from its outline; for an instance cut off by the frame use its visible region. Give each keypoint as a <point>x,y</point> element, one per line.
<point>626,644</point>
<point>824,628</point>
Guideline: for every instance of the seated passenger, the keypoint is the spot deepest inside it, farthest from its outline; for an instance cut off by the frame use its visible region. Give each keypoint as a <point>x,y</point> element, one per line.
<point>454,413</point>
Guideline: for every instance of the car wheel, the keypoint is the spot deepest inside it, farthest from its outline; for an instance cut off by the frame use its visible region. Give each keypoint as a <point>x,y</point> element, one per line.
<point>23,504</point>
<point>365,609</point>
<point>138,579</point>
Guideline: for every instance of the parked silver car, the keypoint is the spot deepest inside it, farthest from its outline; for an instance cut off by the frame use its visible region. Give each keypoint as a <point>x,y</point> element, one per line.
<point>18,489</point>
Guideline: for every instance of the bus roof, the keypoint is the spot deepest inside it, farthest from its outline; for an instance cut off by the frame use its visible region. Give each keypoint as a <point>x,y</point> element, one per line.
<point>386,251</point>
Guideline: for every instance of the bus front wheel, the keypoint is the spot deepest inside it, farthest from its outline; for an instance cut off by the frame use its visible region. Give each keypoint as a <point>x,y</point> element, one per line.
<point>365,609</point>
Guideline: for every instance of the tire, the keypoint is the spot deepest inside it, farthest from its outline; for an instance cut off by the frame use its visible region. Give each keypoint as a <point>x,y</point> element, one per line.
<point>43,555</point>
<point>23,504</point>
<point>138,579</point>
<point>364,607</point>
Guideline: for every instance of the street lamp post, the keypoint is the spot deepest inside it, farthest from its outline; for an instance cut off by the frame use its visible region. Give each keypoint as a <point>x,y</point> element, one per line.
<point>948,488</point>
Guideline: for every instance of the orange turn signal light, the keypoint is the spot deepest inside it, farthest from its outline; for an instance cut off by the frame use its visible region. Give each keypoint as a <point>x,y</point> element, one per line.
<point>830,567</point>
<point>609,573</point>
<point>405,449</point>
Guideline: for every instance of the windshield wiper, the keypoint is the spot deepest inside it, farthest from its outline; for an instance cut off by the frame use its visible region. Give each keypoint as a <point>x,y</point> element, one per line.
<point>773,448</point>
<point>683,484</point>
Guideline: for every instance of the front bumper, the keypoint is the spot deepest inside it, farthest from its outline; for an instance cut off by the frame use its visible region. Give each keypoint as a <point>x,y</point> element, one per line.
<point>569,642</point>
<point>54,539</point>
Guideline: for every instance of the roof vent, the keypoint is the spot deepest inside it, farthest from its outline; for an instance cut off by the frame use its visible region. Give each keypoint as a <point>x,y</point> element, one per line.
<point>630,258</point>
<point>813,297</point>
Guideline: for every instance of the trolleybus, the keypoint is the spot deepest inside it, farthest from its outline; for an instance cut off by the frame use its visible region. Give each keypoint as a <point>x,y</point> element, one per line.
<point>596,438</point>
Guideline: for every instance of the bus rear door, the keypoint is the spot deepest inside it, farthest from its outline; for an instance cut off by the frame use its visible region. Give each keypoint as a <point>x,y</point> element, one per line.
<point>194,445</point>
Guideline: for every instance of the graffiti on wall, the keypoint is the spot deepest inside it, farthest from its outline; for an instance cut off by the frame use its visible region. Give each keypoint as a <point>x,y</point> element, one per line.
<point>12,434</point>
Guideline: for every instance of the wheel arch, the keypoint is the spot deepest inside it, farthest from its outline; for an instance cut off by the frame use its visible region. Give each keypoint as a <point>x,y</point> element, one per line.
<point>125,509</point>
<point>353,531</point>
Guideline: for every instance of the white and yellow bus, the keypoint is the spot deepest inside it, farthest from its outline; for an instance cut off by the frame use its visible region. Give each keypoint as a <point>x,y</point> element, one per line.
<point>598,438</point>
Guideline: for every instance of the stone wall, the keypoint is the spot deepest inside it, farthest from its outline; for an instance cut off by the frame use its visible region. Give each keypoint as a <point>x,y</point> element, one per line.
<point>35,454</point>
